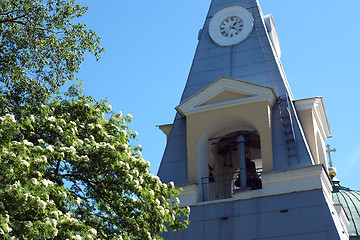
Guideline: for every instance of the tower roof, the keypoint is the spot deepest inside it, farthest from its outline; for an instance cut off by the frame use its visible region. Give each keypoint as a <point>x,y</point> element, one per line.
<point>350,200</point>
<point>252,57</point>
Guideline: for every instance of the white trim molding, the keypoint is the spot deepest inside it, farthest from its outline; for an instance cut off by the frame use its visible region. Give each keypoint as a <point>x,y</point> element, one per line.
<point>300,179</point>
<point>318,106</point>
<point>248,93</point>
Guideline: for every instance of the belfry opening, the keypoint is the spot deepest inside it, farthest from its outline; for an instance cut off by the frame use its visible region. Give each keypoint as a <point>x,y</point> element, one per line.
<point>234,164</point>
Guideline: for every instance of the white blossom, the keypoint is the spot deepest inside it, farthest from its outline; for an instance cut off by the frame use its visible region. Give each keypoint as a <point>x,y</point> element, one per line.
<point>24,162</point>
<point>28,224</point>
<point>62,194</point>
<point>43,159</point>
<point>162,211</point>
<point>51,203</point>
<point>93,231</point>
<point>34,181</point>
<point>129,115</point>
<point>42,203</point>
<point>74,130</point>
<point>156,178</point>
<point>130,177</point>
<point>47,182</point>
<point>78,201</point>
<point>60,129</point>
<point>7,228</point>
<point>109,107</point>
<point>50,148</point>
<point>84,158</point>
<point>51,119</point>
<point>72,150</point>
<point>77,237</point>
<point>11,117</point>
<point>41,141</point>
<point>27,143</point>
<point>14,186</point>
<point>56,214</point>
<point>54,232</point>
<point>38,173</point>
<point>32,118</point>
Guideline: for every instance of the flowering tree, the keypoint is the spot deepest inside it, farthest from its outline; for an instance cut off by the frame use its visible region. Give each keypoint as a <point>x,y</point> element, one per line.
<point>41,48</point>
<point>68,172</point>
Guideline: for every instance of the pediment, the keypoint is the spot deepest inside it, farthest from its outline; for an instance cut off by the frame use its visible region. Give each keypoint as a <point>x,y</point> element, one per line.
<point>226,96</point>
<point>226,92</point>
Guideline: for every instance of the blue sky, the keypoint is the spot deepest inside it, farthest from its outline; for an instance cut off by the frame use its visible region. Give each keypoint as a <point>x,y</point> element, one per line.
<point>150,45</point>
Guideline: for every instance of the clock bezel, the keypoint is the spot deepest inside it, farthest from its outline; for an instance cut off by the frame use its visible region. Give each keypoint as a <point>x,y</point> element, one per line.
<point>220,16</point>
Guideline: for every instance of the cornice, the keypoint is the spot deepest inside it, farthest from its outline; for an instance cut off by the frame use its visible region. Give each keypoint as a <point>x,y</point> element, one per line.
<point>253,93</point>
<point>316,104</point>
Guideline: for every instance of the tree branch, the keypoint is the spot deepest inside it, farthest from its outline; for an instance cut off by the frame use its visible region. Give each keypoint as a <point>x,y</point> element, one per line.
<point>14,20</point>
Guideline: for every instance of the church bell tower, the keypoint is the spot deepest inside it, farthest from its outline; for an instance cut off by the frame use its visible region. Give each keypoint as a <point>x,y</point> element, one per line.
<point>250,158</point>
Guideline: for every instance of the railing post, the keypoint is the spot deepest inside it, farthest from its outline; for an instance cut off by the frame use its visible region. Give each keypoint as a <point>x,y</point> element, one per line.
<point>241,146</point>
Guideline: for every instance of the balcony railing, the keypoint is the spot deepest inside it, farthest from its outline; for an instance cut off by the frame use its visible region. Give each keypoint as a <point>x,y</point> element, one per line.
<point>224,186</point>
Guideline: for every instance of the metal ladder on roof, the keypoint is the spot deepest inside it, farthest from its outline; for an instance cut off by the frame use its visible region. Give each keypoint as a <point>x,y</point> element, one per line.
<point>288,127</point>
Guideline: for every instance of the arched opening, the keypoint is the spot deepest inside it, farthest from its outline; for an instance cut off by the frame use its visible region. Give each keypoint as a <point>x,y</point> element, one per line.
<point>234,164</point>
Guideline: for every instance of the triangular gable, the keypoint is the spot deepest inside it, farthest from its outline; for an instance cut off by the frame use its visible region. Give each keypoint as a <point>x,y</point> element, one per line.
<point>226,92</point>
<point>226,96</point>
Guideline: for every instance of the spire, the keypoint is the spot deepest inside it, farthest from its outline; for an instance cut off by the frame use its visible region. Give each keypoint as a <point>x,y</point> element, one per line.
<point>238,42</point>
<point>252,56</point>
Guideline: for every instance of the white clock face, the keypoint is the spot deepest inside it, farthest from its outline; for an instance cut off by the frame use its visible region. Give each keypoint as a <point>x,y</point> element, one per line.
<point>230,26</point>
